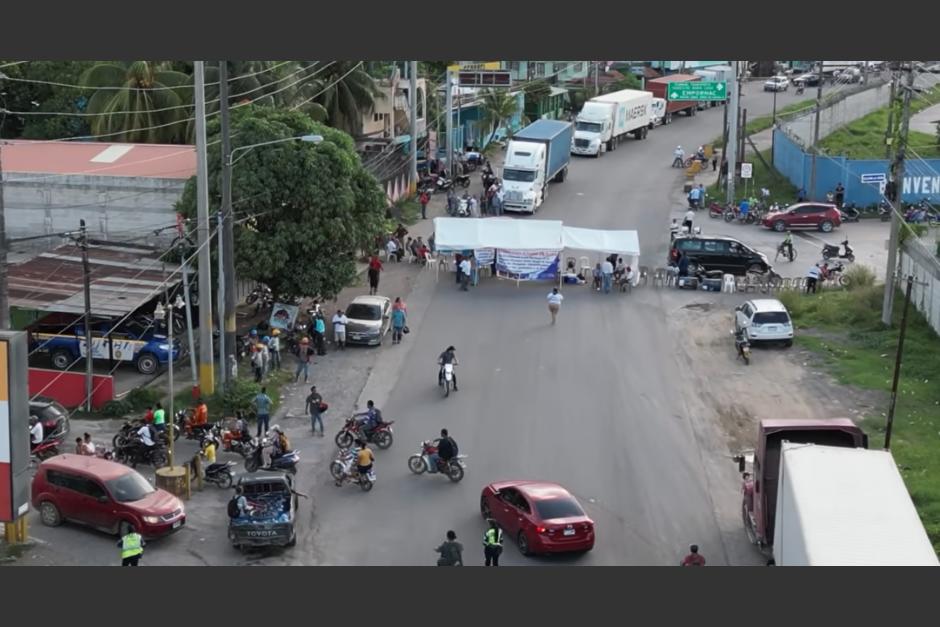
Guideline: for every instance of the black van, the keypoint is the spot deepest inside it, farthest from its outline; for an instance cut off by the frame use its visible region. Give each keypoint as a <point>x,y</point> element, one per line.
<point>727,254</point>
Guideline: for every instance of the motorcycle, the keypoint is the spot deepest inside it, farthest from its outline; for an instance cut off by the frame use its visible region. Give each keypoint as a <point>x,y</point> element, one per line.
<point>189,429</point>
<point>49,447</point>
<point>787,252</point>
<point>691,160</point>
<point>420,463</point>
<point>742,346</point>
<point>239,442</point>
<point>128,433</point>
<point>447,381</point>
<point>286,462</point>
<point>462,180</point>
<point>135,452</point>
<point>733,213</point>
<point>832,273</point>
<point>884,211</point>
<point>344,470</point>
<point>463,207</point>
<point>219,474</point>
<point>443,183</point>
<point>850,213</point>
<point>718,210</point>
<point>829,251</point>
<point>799,89</point>
<point>261,297</point>
<point>381,435</point>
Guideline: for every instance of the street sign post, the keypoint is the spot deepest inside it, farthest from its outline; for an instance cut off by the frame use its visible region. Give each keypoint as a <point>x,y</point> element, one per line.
<point>747,170</point>
<point>698,90</point>
<point>874,178</point>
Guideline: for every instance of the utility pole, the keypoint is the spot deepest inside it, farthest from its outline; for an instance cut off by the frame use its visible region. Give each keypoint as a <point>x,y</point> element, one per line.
<point>4,291</point>
<point>86,283</point>
<point>889,131</point>
<point>897,363</point>
<point>206,376</point>
<point>184,270</point>
<point>413,105</point>
<point>221,300</point>
<point>819,86</point>
<point>449,121</point>
<point>228,222</point>
<point>169,374</point>
<point>898,179</point>
<point>733,130</point>
<point>596,63</point>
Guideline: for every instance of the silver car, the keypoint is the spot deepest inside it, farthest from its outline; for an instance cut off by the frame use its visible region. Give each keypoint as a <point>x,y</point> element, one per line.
<point>369,320</point>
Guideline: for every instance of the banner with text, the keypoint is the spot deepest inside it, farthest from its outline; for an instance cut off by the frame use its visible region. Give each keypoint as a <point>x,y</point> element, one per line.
<point>527,265</point>
<point>484,256</point>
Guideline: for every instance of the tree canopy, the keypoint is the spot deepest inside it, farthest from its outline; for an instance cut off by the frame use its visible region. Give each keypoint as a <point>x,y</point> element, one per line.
<point>302,209</point>
<point>35,98</point>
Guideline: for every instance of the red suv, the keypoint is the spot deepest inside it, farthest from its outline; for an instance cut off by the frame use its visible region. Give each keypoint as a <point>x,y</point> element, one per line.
<point>804,215</point>
<point>104,495</point>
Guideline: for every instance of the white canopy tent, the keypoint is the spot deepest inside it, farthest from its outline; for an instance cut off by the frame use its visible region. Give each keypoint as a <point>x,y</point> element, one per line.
<point>621,243</point>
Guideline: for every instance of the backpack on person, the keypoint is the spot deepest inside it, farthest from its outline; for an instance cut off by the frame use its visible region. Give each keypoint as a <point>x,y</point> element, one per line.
<point>233,508</point>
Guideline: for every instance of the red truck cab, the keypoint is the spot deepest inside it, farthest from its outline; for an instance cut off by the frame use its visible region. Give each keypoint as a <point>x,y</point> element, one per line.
<point>760,468</point>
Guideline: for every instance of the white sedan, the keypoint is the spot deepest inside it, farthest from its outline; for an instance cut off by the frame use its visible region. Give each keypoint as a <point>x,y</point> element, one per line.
<point>777,83</point>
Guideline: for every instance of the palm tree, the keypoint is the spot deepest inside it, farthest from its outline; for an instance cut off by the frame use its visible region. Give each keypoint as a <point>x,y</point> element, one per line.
<point>346,91</point>
<point>499,106</point>
<point>138,101</point>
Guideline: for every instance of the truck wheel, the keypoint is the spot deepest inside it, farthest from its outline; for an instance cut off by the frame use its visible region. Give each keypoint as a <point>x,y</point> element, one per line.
<point>692,112</point>
<point>667,119</point>
<point>61,359</point>
<point>563,175</point>
<point>147,364</point>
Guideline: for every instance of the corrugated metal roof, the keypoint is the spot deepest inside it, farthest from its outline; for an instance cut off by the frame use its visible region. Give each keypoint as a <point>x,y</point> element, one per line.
<point>122,279</point>
<point>161,161</point>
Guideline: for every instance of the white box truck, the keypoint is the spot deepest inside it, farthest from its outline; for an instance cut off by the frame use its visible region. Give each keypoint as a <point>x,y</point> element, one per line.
<point>841,506</point>
<point>606,120</point>
<point>535,155</point>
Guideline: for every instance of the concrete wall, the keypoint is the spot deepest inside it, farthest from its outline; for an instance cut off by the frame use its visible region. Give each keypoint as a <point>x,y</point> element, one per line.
<point>925,295</point>
<point>113,207</point>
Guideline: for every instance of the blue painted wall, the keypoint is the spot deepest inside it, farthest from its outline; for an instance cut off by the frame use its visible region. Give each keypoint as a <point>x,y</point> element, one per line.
<point>921,178</point>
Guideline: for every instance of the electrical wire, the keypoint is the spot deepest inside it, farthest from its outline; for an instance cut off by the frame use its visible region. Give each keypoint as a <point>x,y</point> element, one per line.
<point>311,98</point>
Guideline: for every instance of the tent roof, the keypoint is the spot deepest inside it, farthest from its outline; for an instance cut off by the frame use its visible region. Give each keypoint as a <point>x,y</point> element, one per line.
<point>602,241</point>
<point>507,233</point>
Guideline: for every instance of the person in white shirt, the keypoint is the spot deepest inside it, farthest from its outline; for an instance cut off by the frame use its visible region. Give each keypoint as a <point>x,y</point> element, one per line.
<point>678,157</point>
<point>464,274</point>
<point>607,275</point>
<point>87,445</point>
<point>554,303</point>
<point>474,207</point>
<point>144,434</point>
<point>35,432</point>
<point>812,277</point>
<point>339,328</point>
<point>687,223</point>
<point>673,229</point>
<point>391,247</point>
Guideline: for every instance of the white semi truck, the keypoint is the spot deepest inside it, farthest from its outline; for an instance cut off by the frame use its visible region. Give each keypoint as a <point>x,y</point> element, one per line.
<point>605,121</point>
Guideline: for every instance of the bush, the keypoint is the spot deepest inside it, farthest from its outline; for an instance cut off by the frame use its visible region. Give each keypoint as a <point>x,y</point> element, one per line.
<point>858,277</point>
<point>142,398</point>
<point>239,395</point>
<point>116,409</point>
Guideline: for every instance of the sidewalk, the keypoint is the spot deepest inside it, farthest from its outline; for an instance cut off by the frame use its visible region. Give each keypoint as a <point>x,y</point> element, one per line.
<point>926,121</point>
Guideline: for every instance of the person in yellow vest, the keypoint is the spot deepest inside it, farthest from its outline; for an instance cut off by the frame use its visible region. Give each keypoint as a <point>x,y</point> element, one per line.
<point>492,544</point>
<point>132,547</point>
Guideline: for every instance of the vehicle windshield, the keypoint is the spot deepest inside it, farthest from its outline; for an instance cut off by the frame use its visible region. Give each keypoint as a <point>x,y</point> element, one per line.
<point>771,317</point>
<point>590,127</point>
<point>358,311</point>
<point>129,487</point>
<point>525,176</point>
<point>558,508</point>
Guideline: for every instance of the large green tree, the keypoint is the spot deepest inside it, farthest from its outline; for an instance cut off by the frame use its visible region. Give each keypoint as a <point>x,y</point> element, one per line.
<point>38,103</point>
<point>139,101</point>
<point>303,209</point>
<point>499,105</point>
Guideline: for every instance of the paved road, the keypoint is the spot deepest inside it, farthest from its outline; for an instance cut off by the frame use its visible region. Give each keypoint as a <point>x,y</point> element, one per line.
<point>591,403</point>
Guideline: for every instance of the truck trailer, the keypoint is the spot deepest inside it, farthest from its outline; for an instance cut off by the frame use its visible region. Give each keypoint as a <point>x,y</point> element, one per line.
<point>660,88</point>
<point>537,154</point>
<point>840,506</point>
<point>605,121</point>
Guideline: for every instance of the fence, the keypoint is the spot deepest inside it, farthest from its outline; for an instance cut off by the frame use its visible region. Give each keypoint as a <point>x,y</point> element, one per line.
<point>843,105</point>
<point>921,177</point>
<point>925,294</point>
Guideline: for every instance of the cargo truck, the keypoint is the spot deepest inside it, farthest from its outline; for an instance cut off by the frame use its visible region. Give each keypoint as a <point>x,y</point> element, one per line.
<point>660,88</point>
<point>537,154</point>
<point>605,121</point>
<point>840,506</point>
<point>708,75</point>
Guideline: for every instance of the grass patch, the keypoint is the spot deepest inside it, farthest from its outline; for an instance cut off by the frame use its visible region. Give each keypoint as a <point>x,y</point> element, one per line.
<point>859,351</point>
<point>865,138</point>
<point>781,190</point>
<point>764,122</point>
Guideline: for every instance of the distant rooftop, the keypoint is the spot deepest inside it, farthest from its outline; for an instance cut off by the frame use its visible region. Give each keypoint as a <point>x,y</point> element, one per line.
<point>160,161</point>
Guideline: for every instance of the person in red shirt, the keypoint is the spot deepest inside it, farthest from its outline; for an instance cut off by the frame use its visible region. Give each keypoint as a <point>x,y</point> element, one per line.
<point>375,266</point>
<point>148,417</point>
<point>693,558</point>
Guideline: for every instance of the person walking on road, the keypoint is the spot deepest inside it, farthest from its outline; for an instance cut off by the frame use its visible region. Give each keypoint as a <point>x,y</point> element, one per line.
<point>812,278</point>
<point>492,544</point>
<point>132,547</point>
<point>263,409</point>
<point>257,362</point>
<point>314,408</point>
<point>554,303</point>
<point>451,551</point>
<point>304,359</point>
<point>339,328</point>
<point>693,558</point>
<point>398,321</point>
<point>375,267</point>
<point>464,270</point>
<point>425,198</point>
<point>607,275</point>
<point>687,223</point>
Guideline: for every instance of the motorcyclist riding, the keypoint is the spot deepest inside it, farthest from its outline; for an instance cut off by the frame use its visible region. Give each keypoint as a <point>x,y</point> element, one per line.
<point>446,451</point>
<point>371,418</point>
<point>449,356</point>
<point>280,444</point>
<point>787,245</point>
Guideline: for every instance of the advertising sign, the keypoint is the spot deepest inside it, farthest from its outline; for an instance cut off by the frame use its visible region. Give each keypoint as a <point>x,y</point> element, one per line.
<point>283,316</point>
<point>527,265</point>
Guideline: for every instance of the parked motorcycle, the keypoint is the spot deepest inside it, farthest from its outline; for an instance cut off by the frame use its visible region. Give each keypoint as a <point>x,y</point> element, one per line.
<point>742,346</point>
<point>286,462</point>
<point>135,452</point>
<point>381,436</point>
<point>261,297</point>
<point>884,211</point>
<point>850,212</point>
<point>733,213</point>
<point>220,474</point>
<point>128,433</point>
<point>829,251</point>
<point>718,210</point>
<point>49,447</point>
<point>419,463</point>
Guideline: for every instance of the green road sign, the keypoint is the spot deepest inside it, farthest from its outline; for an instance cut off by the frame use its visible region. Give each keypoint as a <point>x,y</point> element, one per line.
<point>698,90</point>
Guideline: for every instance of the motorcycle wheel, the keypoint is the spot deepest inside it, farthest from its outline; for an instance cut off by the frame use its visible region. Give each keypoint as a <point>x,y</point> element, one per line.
<point>416,464</point>
<point>728,216</point>
<point>382,439</point>
<point>446,388</point>
<point>826,254</point>
<point>746,358</point>
<point>851,258</point>
<point>158,459</point>
<point>118,440</point>
<point>365,484</point>
<point>336,470</point>
<point>465,184</point>
<point>225,480</point>
<point>344,439</point>
<point>251,464</point>
<point>455,472</point>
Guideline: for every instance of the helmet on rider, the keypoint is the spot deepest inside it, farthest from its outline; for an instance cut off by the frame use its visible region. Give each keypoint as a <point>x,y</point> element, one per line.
<point>276,332</point>
<point>253,333</point>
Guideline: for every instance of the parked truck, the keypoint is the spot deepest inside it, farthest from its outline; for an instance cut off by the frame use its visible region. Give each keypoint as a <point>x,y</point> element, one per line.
<point>784,498</point>
<point>605,121</point>
<point>537,154</point>
<point>660,88</point>
<point>840,506</point>
<point>722,73</point>
<point>706,74</point>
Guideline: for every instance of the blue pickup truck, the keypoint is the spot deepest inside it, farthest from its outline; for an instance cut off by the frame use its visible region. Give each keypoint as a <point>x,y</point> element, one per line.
<point>132,342</point>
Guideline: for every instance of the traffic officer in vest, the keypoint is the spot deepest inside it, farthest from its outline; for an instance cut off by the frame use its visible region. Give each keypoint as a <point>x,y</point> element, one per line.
<point>132,548</point>
<point>492,544</point>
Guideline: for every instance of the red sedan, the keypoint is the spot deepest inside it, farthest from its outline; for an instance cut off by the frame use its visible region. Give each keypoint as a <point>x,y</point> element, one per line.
<point>542,517</point>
